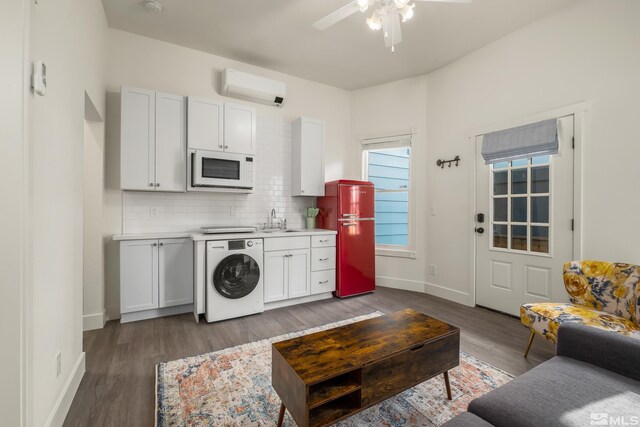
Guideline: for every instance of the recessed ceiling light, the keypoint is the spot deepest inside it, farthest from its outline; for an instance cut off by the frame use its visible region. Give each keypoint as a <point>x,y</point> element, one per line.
<point>153,6</point>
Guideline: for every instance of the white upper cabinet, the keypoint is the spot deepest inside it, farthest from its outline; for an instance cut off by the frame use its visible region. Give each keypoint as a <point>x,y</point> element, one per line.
<point>307,157</point>
<point>171,149</point>
<point>239,128</point>
<point>138,135</point>
<point>153,141</point>
<point>205,124</point>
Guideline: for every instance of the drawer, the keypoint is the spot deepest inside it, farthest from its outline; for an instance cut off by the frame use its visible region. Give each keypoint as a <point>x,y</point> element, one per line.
<point>323,241</point>
<point>286,243</point>
<point>323,281</point>
<point>383,379</point>
<point>323,259</point>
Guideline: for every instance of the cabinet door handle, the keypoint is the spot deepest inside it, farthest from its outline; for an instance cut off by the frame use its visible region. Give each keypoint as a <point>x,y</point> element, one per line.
<point>417,348</point>
<point>324,259</point>
<point>154,244</point>
<point>161,244</point>
<point>226,146</point>
<point>323,282</point>
<point>220,146</point>
<point>157,184</point>
<point>324,241</point>
<point>151,184</point>
<point>349,224</point>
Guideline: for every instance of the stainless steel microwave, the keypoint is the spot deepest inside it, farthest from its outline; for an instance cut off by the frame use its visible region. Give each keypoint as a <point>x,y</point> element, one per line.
<point>216,169</point>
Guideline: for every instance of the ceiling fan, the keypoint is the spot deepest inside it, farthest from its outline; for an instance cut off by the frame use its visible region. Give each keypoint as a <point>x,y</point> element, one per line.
<point>386,16</point>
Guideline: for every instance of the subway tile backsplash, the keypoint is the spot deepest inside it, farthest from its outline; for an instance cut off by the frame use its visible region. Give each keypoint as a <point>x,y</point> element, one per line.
<point>148,212</point>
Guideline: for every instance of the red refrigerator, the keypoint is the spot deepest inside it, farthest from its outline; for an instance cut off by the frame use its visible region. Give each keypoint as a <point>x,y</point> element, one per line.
<point>348,208</point>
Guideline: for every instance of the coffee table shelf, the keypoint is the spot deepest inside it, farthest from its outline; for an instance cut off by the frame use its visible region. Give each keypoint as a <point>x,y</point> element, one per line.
<point>333,388</point>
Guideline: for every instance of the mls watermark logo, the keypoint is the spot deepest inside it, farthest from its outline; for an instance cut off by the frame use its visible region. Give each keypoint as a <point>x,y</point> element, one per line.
<point>604,419</point>
<point>599,419</point>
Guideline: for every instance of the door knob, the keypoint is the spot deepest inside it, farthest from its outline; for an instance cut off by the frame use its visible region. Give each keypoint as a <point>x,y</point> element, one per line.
<point>479,230</point>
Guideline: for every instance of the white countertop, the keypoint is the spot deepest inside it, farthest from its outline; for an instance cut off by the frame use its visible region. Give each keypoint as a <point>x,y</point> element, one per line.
<point>197,235</point>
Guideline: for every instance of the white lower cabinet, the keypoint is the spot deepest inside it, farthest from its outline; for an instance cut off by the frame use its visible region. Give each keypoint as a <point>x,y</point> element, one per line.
<point>286,274</point>
<point>156,276</point>
<point>299,273</point>
<point>298,266</point>
<point>138,275</point>
<point>275,276</point>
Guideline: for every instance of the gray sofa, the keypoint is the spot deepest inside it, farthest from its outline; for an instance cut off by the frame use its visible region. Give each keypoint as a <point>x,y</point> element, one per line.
<point>593,380</point>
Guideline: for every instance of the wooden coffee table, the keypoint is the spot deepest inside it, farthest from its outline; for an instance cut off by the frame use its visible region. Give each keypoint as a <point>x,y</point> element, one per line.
<point>324,377</point>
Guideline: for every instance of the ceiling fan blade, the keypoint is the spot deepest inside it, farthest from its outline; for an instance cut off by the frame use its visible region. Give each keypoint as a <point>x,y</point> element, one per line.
<point>338,15</point>
<point>448,1</point>
<point>391,29</point>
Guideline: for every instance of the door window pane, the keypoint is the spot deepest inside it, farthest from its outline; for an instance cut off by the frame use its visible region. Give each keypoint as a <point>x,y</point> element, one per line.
<point>541,160</point>
<point>500,236</point>
<point>518,209</point>
<point>540,180</point>
<point>540,209</point>
<point>500,183</point>
<point>519,181</point>
<point>500,209</point>
<point>540,239</point>
<point>519,237</point>
<point>521,202</point>
<point>501,165</point>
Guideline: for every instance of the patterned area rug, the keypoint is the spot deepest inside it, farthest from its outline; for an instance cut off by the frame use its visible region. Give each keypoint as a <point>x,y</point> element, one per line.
<point>232,387</point>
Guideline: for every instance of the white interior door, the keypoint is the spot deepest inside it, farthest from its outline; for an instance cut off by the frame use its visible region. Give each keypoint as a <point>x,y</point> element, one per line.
<point>527,232</point>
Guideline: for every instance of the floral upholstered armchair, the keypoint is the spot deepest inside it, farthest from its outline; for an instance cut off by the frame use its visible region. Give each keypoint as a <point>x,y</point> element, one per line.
<point>602,294</point>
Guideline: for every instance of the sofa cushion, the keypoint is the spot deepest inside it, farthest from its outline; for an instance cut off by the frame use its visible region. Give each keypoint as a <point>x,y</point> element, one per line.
<point>466,419</point>
<point>561,391</point>
<point>546,317</point>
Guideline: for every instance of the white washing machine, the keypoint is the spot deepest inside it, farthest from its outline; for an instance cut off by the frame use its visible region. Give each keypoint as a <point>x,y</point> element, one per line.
<point>234,279</point>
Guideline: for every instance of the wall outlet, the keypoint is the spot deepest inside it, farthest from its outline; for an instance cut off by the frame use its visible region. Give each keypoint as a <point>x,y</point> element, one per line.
<point>58,364</point>
<point>433,211</point>
<point>433,269</point>
<point>153,212</point>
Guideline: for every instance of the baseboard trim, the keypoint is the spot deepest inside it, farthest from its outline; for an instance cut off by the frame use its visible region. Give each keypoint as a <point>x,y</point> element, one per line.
<point>156,312</point>
<point>62,405</point>
<point>93,321</point>
<point>426,288</point>
<point>295,301</point>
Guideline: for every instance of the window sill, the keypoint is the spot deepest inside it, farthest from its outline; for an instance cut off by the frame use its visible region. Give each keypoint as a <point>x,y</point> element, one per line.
<point>396,253</point>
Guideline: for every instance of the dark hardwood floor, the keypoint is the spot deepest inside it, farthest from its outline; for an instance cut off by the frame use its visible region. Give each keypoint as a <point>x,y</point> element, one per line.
<point>118,386</point>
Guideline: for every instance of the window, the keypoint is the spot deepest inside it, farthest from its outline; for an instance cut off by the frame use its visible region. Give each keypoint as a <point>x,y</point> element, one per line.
<point>520,210</point>
<point>388,165</point>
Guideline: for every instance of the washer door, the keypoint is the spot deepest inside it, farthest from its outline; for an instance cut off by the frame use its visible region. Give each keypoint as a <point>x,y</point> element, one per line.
<point>236,276</point>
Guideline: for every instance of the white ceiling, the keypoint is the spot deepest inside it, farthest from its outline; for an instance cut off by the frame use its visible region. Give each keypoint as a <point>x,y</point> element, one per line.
<point>277,34</point>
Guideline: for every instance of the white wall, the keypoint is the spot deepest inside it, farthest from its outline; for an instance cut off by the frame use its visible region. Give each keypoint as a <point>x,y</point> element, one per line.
<point>93,180</point>
<point>70,36</point>
<point>399,106</point>
<point>142,62</point>
<point>586,51</point>
<point>13,31</point>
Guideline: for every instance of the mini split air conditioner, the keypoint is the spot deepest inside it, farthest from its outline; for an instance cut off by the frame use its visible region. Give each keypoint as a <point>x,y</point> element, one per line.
<point>253,88</point>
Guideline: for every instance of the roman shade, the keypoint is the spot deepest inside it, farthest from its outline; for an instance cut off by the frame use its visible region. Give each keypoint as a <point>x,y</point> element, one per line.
<point>535,139</point>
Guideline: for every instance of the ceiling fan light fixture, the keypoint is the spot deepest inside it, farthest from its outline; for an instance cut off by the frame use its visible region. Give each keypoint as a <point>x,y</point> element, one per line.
<point>407,12</point>
<point>374,22</point>
<point>363,5</point>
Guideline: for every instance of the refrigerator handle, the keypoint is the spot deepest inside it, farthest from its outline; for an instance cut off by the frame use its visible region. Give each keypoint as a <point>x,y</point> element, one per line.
<point>349,224</point>
<point>350,215</point>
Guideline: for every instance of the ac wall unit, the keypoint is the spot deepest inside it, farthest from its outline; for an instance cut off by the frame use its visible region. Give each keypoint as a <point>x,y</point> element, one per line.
<point>254,88</point>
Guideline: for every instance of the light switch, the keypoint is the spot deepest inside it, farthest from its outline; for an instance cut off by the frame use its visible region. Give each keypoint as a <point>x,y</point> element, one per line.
<point>433,211</point>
